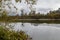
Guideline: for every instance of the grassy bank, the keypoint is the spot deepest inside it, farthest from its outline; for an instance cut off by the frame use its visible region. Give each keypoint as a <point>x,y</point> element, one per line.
<point>6,34</point>
<point>37,21</point>
<point>32,20</point>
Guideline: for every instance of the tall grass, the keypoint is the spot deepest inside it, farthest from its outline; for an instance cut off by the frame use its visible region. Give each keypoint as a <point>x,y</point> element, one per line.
<point>6,34</point>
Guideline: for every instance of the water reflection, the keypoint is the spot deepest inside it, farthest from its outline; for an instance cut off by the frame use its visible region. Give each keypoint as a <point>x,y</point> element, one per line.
<point>41,31</point>
<point>35,24</point>
<point>38,31</point>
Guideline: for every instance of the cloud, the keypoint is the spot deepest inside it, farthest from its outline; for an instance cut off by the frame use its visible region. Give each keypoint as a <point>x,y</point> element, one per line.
<point>46,5</point>
<point>54,4</point>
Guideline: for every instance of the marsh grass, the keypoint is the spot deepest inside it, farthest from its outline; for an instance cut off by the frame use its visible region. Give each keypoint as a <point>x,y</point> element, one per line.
<point>7,34</point>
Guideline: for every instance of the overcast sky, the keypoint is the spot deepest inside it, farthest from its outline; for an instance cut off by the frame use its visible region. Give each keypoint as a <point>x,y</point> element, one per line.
<point>48,4</point>
<point>41,5</point>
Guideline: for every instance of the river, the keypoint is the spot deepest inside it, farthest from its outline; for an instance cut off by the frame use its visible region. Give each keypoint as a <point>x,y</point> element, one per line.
<point>39,31</point>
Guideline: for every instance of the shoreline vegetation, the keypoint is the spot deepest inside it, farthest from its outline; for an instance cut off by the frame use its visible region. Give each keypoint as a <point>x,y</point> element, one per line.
<point>51,17</point>
<point>10,34</point>
<point>32,20</point>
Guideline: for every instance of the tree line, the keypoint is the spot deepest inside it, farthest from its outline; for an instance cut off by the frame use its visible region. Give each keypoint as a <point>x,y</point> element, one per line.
<point>32,15</point>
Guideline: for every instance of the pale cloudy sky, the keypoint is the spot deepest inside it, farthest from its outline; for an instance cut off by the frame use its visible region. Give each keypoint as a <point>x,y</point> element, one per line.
<point>49,4</point>
<point>41,5</point>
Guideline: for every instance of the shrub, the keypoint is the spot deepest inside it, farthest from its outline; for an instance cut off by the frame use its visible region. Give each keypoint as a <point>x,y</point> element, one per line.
<point>6,34</point>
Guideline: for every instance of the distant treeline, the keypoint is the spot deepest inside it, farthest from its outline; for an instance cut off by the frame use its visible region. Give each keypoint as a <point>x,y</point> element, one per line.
<point>32,15</point>
<point>51,15</point>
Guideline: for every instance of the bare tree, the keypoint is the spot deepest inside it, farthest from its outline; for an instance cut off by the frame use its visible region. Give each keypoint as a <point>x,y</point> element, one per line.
<point>29,2</point>
<point>3,4</point>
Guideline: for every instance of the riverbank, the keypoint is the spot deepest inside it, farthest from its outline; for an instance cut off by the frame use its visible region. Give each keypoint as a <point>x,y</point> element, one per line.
<point>33,20</point>
<point>36,20</point>
<point>10,34</point>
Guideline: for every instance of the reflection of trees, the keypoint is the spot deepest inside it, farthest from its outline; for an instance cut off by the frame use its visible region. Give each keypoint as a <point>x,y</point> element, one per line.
<point>35,24</point>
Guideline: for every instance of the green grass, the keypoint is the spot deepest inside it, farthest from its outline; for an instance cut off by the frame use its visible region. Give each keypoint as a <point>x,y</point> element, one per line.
<point>6,34</point>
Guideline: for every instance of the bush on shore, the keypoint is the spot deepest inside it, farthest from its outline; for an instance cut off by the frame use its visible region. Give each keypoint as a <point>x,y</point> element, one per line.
<point>6,34</point>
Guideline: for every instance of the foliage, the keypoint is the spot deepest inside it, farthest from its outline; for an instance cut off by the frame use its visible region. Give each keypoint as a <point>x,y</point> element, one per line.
<point>18,0</point>
<point>32,15</point>
<point>6,34</point>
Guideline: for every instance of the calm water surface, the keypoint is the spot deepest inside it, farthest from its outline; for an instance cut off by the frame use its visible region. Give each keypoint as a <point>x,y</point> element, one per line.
<point>38,31</point>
